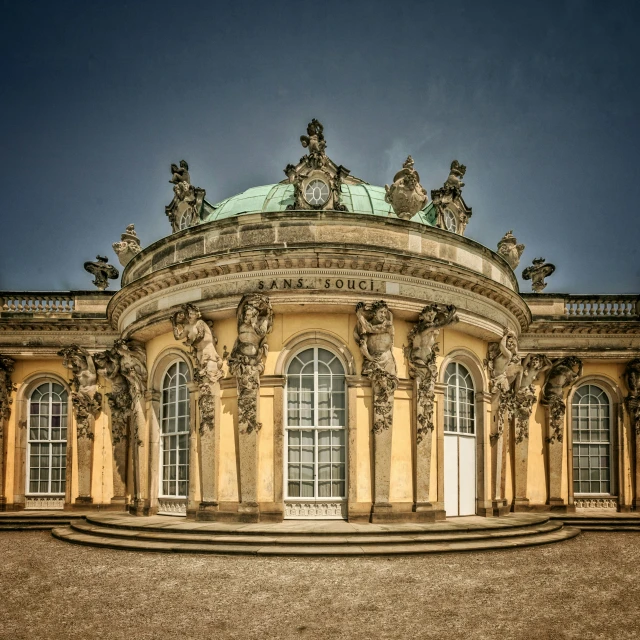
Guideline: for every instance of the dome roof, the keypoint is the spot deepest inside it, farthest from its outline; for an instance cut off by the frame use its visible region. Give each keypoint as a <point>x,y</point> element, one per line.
<point>359,198</point>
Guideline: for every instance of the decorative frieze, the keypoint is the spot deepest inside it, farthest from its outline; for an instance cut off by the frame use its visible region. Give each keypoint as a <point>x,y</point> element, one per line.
<point>50,504</point>
<point>169,507</point>
<point>596,503</point>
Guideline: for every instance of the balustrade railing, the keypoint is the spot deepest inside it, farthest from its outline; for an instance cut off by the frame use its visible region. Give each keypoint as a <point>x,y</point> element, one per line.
<point>26,302</point>
<point>602,306</point>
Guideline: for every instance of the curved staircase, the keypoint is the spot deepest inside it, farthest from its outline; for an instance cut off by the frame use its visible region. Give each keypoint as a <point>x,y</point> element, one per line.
<point>313,538</point>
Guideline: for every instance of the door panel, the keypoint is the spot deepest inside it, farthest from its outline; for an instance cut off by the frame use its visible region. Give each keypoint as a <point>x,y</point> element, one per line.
<point>451,474</point>
<point>467,475</point>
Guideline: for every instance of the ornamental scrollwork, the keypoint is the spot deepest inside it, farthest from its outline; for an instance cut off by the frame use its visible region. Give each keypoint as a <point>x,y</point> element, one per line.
<point>421,357</point>
<point>246,361</point>
<point>374,334</point>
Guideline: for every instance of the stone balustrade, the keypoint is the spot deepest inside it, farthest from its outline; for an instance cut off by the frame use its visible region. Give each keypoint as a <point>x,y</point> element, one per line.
<point>576,306</point>
<point>47,303</point>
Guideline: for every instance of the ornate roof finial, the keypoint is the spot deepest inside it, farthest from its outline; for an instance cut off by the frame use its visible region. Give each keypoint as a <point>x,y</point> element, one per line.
<point>184,210</point>
<point>406,195</point>
<point>315,142</point>
<point>128,246</point>
<point>102,272</point>
<point>510,250</point>
<point>453,213</point>
<point>537,273</point>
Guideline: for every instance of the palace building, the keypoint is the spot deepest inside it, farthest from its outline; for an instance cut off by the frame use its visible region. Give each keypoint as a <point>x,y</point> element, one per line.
<point>319,348</point>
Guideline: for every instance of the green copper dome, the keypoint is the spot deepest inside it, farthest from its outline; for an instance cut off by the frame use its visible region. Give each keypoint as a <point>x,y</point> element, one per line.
<point>358,198</point>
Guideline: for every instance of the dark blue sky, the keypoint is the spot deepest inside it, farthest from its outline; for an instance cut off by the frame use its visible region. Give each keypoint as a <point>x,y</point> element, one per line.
<point>539,99</point>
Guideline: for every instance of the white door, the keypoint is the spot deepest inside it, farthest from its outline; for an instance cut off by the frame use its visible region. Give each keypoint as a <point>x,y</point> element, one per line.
<point>459,443</point>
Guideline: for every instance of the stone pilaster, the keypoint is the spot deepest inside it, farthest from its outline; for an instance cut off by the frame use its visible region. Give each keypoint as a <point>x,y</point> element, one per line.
<point>209,449</point>
<point>555,416</point>
<point>6,390</point>
<point>524,401</point>
<point>192,502</point>
<point>85,429</point>
<point>140,505</point>
<point>423,507</point>
<point>152,400</point>
<point>499,448</point>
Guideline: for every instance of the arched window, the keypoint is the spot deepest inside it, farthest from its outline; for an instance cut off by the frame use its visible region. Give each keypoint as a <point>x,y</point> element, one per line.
<point>459,416</point>
<point>174,432</point>
<point>47,443</point>
<point>591,427</point>
<point>315,425</point>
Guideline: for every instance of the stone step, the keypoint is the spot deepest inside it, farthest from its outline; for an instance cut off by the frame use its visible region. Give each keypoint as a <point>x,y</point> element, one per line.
<point>301,528</point>
<point>283,538</point>
<point>37,526</point>
<point>607,527</point>
<point>72,535</point>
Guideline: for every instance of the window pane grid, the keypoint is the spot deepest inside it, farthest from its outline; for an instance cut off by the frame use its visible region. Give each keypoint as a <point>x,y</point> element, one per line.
<point>459,400</point>
<point>47,440</point>
<point>175,426</point>
<point>316,402</point>
<point>590,418</point>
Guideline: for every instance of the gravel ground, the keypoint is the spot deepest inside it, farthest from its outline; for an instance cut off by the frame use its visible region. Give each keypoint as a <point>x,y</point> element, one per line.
<point>588,587</point>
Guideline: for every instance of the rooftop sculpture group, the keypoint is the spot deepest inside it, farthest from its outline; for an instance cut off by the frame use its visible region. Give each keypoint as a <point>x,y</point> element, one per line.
<point>406,195</point>
<point>184,210</point>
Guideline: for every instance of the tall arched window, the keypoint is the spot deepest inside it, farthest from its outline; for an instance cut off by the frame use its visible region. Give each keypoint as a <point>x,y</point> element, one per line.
<point>47,443</point>
<point>591,427</point>
<point>459,406</point>
<point>174,432</point>
<point>459,442</point>
<point>316,439</point>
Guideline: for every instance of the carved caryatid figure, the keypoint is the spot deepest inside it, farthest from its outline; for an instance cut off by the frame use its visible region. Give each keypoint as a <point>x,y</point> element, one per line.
<point>406,195</point>
<point>510,250</point>
<point>246,362</point>
<point>86,400</point>
<point>189,327</point>
<point>421,357</point>
<point>374,334</point>
<point>119,398</point>
<point>632,380</point>
<point>562,374</point>
<point>102,272</point>
<point>525,396</point>
<point>180,173</point>
<point>128,247</point>
<point>6,389</point>
<point>537,273</point>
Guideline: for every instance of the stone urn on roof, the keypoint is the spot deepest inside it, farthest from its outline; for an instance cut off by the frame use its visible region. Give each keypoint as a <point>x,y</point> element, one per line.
<point>406,195</point>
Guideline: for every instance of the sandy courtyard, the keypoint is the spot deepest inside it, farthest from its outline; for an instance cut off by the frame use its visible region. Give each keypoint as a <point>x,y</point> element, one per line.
<point>588,587</point>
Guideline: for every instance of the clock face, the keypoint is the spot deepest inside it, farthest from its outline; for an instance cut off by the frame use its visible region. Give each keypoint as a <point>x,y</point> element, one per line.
<point>450,222</point>
<point>316,193</point>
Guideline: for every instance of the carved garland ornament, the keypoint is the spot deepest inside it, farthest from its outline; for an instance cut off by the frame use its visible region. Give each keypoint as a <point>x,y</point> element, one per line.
<point>421,357</point>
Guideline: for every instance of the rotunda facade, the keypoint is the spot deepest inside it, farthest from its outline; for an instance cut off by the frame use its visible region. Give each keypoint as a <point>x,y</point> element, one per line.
<point>320,348</point>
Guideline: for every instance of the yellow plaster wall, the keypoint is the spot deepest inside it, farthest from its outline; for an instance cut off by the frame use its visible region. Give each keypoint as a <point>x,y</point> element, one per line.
<point>228,472</point>
<point>402,450</point>
<point>266,468</point>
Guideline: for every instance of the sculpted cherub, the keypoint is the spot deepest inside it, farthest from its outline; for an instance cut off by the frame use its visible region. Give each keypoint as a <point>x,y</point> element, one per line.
<point>181,173</point>
<point>423,335</point>
<point>503,362</point>
<point>189,327</point>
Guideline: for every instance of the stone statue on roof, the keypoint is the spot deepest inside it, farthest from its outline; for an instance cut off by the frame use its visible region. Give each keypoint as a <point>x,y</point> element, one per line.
<point>406,195</point>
